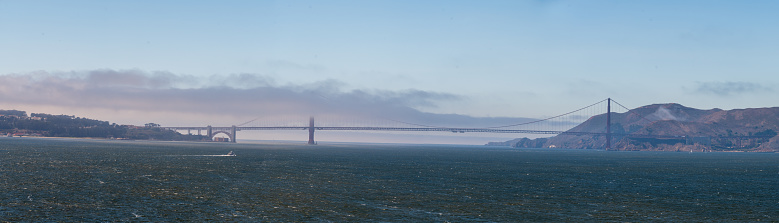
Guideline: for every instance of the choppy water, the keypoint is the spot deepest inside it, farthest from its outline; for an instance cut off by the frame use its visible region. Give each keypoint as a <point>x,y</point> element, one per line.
<point>94,181</point>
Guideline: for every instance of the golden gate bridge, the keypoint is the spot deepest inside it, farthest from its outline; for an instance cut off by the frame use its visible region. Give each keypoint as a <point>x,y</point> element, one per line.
<point>554,125</point>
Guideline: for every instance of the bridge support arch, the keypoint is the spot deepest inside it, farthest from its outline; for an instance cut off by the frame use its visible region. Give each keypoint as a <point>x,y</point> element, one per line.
<point>231,134</point>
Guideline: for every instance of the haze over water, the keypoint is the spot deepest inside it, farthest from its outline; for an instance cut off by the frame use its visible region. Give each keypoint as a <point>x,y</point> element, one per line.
<point>92,180</point>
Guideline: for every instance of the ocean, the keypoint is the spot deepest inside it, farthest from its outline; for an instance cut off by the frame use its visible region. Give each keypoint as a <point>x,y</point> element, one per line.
<point>76,180</point>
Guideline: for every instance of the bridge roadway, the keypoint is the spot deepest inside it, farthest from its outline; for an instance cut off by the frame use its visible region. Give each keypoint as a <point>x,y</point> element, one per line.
<point>421,129</point>
<point>232,130</point>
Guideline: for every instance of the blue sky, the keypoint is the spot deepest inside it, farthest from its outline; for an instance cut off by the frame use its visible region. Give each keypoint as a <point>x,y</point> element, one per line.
<point>479,58</point>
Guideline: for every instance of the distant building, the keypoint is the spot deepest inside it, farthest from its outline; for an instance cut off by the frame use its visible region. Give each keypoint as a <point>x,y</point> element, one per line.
<point>221,139</point>
<point>133,126</point>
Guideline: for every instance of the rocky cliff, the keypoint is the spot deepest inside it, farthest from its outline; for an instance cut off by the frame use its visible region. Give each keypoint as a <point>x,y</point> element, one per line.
<point>674,128</point>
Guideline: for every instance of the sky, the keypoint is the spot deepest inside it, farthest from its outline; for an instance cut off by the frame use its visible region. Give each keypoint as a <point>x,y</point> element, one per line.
<point>226,62</point>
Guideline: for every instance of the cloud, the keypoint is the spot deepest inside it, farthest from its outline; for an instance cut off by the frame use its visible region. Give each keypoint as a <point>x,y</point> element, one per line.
<point>730,88</point>
<point>237,95</point>
<point>663,113</point>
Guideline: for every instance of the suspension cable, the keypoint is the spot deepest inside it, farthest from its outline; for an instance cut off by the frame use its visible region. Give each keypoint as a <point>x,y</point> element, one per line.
<point>420,125</point>
<point>492,127</point>
<point>248,122</point>
<point>633,112</point>
<point>546,119</point>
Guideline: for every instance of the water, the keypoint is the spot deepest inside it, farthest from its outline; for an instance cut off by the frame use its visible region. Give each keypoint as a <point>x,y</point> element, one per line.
<point>90,180</point>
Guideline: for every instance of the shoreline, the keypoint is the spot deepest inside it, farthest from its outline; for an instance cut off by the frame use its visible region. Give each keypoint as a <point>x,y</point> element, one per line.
<point>272,142</point>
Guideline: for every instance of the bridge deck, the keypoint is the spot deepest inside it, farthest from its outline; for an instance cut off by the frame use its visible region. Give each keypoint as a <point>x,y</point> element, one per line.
<point>422,129</point>
<point>455,130</point>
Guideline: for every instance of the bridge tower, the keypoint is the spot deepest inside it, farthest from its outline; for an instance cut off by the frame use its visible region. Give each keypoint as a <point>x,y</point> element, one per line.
<point>311,131</point>
<point>209,132</point>
<point>608,125</point>
<point>232,131</point>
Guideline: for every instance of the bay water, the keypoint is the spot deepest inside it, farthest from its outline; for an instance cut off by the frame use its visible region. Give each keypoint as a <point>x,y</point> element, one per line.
<point>75,180</point>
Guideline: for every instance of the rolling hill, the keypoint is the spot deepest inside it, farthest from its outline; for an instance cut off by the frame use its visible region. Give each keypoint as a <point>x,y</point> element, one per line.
<point>673,127</point>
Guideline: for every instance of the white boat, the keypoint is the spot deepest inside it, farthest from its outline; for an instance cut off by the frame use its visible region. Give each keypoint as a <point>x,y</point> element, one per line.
<point>231,153</point>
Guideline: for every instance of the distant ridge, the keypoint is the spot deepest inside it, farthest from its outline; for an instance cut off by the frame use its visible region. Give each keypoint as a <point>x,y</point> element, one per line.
<point>748,130</point>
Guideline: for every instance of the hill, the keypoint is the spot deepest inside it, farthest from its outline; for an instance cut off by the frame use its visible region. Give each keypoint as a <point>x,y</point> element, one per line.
<point>17,123</point>
<point>684,128</point>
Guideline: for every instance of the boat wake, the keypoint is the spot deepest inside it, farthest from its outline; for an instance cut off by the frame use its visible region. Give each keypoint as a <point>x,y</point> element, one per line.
<point>206,155</point>
<point>231,153</point>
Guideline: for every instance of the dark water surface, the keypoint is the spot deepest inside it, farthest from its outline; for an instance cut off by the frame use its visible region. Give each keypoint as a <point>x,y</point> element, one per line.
<point>95,181</point>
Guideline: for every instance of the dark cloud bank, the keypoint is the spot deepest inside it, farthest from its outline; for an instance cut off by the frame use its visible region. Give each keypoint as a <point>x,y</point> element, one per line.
<point>246,95</point>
